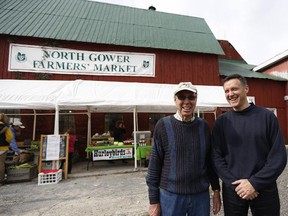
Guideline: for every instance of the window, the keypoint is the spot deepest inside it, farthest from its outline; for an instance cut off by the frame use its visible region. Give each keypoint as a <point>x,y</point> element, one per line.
<point>66,120</point>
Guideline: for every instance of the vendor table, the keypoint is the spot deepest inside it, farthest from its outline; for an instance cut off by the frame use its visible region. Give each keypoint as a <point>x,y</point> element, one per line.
<point>105,152</point>
<point>142,152</point>
<point>109,152</point>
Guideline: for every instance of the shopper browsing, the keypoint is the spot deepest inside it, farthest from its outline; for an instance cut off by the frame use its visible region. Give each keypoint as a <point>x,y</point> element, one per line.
<point>5,133</point>
<point>16,130</point>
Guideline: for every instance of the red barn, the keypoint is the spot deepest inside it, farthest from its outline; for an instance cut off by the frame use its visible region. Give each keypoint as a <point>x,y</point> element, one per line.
<point>78,39</point>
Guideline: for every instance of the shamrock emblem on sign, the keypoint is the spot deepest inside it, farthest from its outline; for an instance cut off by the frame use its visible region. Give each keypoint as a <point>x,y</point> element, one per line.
<point>146,64</point>
<point>20,57</point>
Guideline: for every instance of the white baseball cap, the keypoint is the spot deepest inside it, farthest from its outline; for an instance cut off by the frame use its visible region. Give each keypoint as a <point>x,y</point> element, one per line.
<point>18,123</point>
<point>185,86</point>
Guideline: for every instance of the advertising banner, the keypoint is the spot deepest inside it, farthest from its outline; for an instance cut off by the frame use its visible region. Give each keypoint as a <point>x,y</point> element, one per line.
<point>43,59</point>
<point>111,154</point>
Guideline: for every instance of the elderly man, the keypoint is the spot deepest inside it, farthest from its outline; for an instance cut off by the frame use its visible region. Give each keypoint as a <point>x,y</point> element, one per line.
<point>180,172</point>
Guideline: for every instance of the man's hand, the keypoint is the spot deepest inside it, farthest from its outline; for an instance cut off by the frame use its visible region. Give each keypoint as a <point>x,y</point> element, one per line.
<point>216,202</point>
<point>154,209</point>
<point>252,196</point>
<point>245,190</point>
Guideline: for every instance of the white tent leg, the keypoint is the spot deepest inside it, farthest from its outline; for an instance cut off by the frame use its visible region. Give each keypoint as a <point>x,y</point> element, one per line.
<point>56,123</point>
<point>135,144</point>
<point>88,130</point>
<point>34,125</point>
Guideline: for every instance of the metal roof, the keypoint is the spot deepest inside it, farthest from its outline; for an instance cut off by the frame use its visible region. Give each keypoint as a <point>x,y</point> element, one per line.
<point>102,23</point>
<point>229,67</point>
<point>272,61</point>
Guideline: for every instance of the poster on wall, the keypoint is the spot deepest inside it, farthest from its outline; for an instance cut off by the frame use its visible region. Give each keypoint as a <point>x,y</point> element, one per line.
<point>44,59</point>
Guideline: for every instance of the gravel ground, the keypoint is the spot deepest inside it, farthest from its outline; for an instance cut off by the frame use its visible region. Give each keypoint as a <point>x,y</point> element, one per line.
<point>123,194</point>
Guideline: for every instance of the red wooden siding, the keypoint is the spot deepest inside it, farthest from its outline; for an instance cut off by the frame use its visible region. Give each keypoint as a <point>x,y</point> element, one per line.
<point>281,67</point>
<point>230,52</point>
<point>171,66</point>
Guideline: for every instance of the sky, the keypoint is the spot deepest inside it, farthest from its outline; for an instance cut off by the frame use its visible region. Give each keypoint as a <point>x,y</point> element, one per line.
<point>257,29</point>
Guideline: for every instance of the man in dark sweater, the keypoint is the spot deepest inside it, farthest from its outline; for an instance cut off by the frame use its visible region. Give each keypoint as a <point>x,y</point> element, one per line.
<point>180,170</point>
<point>249,153</point>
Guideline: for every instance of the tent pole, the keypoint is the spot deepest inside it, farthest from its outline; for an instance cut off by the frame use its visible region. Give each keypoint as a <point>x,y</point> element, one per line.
<point>34,124</point>
<point>56,123</point>
<point>89,130</point>
<point>135,144</point>
<point>136,121</point>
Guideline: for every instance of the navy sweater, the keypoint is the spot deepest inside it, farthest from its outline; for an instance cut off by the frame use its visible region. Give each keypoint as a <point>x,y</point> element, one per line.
<point>248,144</point>
<point>180,158</point>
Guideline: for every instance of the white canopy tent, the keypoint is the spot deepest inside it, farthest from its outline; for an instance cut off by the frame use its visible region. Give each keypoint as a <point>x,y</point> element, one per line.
<point>101,96</point>
<point>124,96</point>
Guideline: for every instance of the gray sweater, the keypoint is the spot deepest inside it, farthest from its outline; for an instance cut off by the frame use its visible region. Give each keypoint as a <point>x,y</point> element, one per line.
<point>180,158</point>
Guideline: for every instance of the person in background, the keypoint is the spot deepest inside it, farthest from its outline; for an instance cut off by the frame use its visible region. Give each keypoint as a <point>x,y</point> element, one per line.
<point>248,152</point>
<point>16,130</point>
<point>4,144</point>
<point>180,171</point>
<point>119,132</point>
<point>4,126</point>
<point>72,140</point>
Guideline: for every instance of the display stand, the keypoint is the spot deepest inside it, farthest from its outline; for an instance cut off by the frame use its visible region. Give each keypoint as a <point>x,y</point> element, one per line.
<point>54,149</point>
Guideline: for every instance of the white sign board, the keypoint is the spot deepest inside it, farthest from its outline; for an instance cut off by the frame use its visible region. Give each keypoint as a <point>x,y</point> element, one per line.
<point>53,147</point>
<point>42,59</point>
<point>111,154</point>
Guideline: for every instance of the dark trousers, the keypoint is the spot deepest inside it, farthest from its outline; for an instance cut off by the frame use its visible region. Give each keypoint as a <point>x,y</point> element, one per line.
<point>266,204</point>
<point>70,162</point>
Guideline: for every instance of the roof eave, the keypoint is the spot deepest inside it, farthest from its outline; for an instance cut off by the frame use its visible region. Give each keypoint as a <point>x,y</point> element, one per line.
<point>271,61</point>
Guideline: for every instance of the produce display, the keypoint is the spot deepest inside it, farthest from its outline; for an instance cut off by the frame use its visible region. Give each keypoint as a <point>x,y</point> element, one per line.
<point>21,166</point>
<point>35,145</point>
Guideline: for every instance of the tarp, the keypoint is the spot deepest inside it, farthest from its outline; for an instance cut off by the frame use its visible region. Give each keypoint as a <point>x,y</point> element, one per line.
<point>101,96</point>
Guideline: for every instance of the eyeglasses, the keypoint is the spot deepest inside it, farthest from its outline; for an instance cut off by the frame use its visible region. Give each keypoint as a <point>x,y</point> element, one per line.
<point>190,97</point>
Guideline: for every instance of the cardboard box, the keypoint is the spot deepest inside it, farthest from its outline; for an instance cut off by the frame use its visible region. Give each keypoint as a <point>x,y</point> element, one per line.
<point>23,174</point>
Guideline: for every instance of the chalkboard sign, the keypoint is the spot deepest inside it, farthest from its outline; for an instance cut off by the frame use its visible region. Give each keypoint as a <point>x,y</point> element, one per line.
<point>54,148</point>
<point>63,144</point>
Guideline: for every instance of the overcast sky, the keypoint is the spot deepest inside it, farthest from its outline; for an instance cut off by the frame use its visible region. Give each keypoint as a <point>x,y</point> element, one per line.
<point>258,29</point>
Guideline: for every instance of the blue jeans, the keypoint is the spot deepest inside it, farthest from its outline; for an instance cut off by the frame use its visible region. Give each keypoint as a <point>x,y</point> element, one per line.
<point>181,205</point>
<point>266,204</point>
